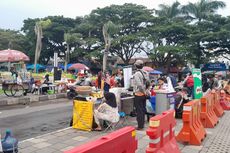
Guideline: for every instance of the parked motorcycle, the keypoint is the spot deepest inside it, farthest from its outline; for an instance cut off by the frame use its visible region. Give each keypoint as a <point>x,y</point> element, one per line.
<point>71,92</point>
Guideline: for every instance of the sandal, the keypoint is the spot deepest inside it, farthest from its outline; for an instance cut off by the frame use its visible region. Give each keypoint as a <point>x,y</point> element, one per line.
<point>97,129</point>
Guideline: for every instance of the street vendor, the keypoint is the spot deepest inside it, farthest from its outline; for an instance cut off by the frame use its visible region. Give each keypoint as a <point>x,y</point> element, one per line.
<point>14,73</point>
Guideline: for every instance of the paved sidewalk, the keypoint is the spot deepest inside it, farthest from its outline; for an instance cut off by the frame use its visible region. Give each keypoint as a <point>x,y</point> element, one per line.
<point>217,140</point>
<point>29,98</point>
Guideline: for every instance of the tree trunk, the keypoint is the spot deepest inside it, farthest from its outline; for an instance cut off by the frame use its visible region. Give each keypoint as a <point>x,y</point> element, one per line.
<point>105,56</point>
<point>126,62</point>
<point>38,31</point>
<point>67,57</point>
<point>107,40</point>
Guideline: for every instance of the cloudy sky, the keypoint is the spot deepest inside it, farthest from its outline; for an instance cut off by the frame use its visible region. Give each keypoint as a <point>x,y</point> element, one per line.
<point>13,12</point>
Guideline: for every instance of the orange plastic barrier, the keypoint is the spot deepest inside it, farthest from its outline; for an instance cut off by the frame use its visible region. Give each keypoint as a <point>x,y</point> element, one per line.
<point>217,107</point>
<point>207,115</point>
<point>193,131</point>
<point>224,101</point>
<point>161,134</point>
<point>120,141</point>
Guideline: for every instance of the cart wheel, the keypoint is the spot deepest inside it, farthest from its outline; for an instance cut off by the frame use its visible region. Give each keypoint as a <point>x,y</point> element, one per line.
<point>7,92</point>
<point>17,90</point>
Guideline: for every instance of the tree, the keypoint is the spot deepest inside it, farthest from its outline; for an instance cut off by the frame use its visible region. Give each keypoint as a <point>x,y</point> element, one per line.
<point>12,39</point>
<point>169,11</point>
<point>53,36</point>
<point>43,24</point>
<point>202,9</point>
<point>89,46</point>
<point>169,42</point>
<point>132,20</point>
<point>168,34</point>
<point>216,41</point>
<point>69,39</point>
<point>108,29</point>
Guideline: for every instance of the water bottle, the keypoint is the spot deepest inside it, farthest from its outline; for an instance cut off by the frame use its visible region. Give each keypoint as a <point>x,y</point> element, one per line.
<point>0,144</point>
<point>9,143</point>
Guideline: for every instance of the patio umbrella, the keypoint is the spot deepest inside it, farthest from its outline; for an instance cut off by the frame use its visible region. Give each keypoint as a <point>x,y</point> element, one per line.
<point>78,66</point>
<point>155,72</point>
<point>10,55</point>
<point>147,68</point>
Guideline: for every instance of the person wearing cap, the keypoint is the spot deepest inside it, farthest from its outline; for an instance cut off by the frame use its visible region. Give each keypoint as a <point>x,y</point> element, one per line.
<point>140,79</point>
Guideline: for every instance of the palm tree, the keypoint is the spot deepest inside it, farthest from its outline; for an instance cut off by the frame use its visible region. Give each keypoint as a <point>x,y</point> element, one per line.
<point>39,26</point>
<point>70,38</point>
<point>108,29</point>
<point>169,11</point>
<point>202,9</point>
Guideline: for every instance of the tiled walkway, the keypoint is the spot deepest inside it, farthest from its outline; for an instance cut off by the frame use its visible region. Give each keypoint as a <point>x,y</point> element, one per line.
<point>217,140</point>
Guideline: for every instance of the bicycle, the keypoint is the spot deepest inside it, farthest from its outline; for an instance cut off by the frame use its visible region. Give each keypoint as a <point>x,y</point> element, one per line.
<point>13,89</point>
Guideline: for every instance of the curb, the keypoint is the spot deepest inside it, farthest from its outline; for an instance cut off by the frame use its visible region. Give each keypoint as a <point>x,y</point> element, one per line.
<point>45,134</point>
<point>30,99</point>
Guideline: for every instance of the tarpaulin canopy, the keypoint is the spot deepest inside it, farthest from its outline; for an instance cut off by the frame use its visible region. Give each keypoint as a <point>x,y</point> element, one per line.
<point>155,72</point>
<point>38,67</point>
<point>63,66</point>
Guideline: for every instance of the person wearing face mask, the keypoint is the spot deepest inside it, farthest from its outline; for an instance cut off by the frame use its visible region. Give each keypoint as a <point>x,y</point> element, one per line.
<point>140,92</point>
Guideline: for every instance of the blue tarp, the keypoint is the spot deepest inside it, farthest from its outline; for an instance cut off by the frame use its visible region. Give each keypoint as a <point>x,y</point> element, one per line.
<point>155,72</point>
<point>38,67</point>
<point>63,66</point>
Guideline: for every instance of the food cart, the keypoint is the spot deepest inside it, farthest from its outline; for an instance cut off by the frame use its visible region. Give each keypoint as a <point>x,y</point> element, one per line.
<point>14,85</point>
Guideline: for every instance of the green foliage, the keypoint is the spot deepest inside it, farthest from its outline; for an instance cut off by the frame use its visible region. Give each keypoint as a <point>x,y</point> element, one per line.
<point>53,35</point>
<point>12,39</point>
<point>132,20</point>
<point>202,9</point>
<point>72,37</point>
<point>169,36</point>
<point>169,11</point>
<point>45,23</point>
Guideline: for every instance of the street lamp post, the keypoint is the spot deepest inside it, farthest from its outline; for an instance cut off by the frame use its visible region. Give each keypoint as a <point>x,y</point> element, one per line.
<point>55,64</point>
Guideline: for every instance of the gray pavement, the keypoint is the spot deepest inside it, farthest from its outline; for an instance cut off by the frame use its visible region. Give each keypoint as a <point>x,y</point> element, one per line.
<point>217,140</point>
<point>36,119</point>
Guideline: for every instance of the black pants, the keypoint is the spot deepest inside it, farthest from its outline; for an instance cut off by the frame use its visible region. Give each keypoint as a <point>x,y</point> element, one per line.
<point>140,105</point>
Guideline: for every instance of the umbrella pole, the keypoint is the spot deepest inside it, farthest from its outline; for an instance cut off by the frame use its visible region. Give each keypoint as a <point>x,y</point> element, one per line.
<point>8,66</point>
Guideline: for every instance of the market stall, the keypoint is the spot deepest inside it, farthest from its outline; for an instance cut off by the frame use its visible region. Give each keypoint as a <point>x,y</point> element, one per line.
<point>15,82</point>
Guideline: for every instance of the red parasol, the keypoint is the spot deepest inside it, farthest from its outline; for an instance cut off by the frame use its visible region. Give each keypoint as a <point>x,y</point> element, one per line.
<point>10,55</point>
<point>78,66</point>
<point>147,68</point>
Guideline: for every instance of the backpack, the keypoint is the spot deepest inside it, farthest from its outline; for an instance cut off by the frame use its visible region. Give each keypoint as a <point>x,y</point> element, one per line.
<point>146,82</point>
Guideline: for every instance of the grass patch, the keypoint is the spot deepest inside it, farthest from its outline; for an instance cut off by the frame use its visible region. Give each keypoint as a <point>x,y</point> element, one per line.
<point>1,92</point>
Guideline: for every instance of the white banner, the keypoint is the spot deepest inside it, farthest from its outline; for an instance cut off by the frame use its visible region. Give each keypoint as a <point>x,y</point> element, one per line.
<point>55,59</point>
<point>127,77</point>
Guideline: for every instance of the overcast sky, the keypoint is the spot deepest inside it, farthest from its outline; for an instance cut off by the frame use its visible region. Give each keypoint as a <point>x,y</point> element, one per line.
<point>13,12</point>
